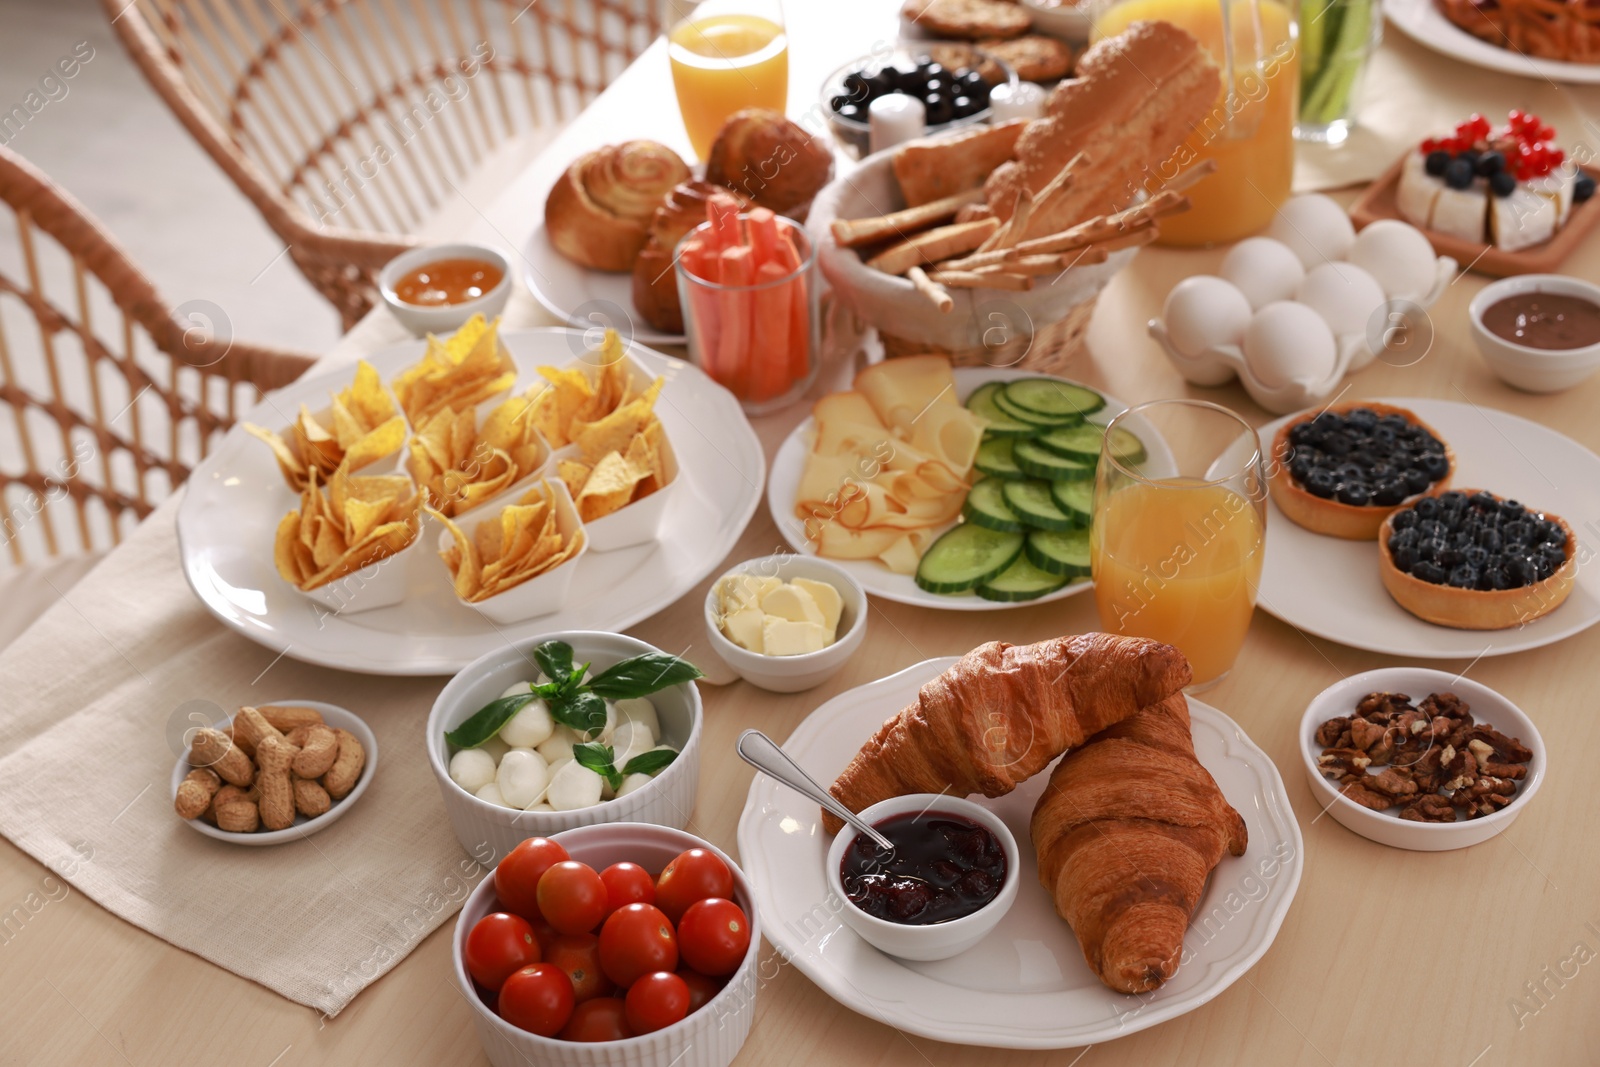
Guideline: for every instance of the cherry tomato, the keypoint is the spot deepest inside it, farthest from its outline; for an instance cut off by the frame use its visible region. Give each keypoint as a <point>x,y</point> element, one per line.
<point>516,878</point>
<point>497,945</point>
<point>656,1000</point>
<point>543,932</point>
<point>694,875</point>
<point>713,936</point>
<point>572,898</point>
<point>537,999</point>
<point>701,988</point>
<point>627,883</point>
<point>579,956</point>
<point>636,940</point>
<point>600,1019</point>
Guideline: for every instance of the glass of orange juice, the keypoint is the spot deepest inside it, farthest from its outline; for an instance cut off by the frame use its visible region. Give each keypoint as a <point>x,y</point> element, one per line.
<point>1177,541</point>
<point>728,55</point>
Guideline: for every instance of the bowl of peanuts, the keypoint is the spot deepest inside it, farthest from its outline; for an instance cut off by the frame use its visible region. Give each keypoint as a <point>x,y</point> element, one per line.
<point>274,773</point>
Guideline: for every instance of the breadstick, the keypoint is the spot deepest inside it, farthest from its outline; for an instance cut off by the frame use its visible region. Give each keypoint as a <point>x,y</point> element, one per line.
<point>959,279</point>
<point>935,294</point>
<point>1011,230</point>
<point>934,245</point>
<point>1028,265</point>
<point>853,233</point>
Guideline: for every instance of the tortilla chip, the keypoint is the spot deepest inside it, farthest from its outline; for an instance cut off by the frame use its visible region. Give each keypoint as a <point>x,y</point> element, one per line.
<point>574,474</point>
<point>356,522</point>
<point>459,373</point>
<point>609,488</point>
<point>522,542</point>
<point>461,467</point>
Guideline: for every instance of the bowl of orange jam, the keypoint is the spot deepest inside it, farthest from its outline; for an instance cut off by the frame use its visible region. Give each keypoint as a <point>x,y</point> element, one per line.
<point>439,287</point>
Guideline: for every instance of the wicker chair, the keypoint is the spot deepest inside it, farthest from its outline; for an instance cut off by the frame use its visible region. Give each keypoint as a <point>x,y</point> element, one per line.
<point>347,122</point>
<point>108,396</point>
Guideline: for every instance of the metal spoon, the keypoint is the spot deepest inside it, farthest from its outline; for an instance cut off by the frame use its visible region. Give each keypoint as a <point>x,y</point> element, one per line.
<point>763,753</point>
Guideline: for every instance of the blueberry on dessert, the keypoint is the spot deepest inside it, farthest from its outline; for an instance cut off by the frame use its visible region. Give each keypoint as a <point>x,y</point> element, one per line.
<point>1474,561</point>
<point>1343,470</point>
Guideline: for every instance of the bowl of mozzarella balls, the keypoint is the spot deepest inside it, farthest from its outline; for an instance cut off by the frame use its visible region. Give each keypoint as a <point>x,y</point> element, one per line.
<point>1296,309</point>
<point>565,730</point>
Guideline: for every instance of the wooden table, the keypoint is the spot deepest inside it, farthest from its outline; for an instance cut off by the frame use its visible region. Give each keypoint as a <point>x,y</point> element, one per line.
<point>1475,957</point>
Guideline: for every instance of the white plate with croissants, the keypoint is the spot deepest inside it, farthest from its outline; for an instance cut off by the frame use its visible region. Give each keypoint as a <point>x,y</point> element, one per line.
<point>1161,801</point>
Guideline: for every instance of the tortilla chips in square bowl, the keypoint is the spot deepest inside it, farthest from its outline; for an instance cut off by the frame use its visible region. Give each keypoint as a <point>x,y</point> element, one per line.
<point>346,547</point>
<point>461,466</point>
<point>469,368</point>
<point>515,561</point>
<point>361,430</point>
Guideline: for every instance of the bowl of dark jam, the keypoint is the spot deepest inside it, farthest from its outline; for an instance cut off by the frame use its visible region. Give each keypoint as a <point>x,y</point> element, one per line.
<point>951,877</point>
<point>1538,332</point>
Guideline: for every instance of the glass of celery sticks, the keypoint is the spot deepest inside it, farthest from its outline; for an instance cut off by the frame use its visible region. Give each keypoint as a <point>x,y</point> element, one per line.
<point>1337,37</point>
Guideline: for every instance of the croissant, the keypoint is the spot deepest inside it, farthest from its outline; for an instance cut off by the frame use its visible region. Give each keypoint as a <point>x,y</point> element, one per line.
<point>1126,833</point>
<point>598,213</point>
<point>1002,712</point>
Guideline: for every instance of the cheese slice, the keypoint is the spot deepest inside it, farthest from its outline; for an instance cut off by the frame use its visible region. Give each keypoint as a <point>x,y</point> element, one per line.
<point>783,637</point>
<point>792,603</point>
<point>1461,212</point>
<point>901,389</point>
<point>828,602</point>
<point>1522,220</point>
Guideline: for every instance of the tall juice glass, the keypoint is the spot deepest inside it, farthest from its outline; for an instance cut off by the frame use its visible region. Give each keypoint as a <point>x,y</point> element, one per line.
<point>728,55</point>
<point>1250,131</point>
<point>1176,544</point>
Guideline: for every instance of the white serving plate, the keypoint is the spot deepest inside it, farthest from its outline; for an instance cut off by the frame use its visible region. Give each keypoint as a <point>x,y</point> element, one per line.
<point>1026,985</point>
<point>233,501</point>
<point>1331,587</point>
<point>1424,23</point>
<point>877,579</point>
<point>588,299</point>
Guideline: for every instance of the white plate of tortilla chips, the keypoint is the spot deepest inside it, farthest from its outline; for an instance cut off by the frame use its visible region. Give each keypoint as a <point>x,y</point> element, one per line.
<point>229,519</point>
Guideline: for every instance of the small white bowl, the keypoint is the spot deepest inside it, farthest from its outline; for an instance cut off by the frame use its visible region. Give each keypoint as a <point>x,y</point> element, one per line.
<point>333,715</point>
<point>1386,827</point>
<point>1535,370</point>
<point>941,940</point>
<point>710,1037</point>
<point>420,320</point>
<point>666,801</point>
<point>1068,21</point>
<point>381,584</point>
<point>791,674</point>
<point>543,594</point>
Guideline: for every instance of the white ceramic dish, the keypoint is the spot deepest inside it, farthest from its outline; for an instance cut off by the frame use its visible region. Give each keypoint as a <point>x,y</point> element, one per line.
<point>333,715</point>
<point>666,801</point>
<point>544,594</point>
<point>939,941</point>
<point>1424,23</point>
<point>792,674</point>
<point>1537,370</point>
<point>1386,827</point>
<point>1068,21</point>
<point>588,299</point>
<point>419,319</point>
<point>875,578</point>
<point>233,501</point>
<point>1331,588</point>
<point>711,1037</point>
<point>1026,985</point>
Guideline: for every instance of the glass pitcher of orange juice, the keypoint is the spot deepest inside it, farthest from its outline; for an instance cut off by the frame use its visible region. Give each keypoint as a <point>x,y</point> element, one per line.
<point>727,55</point>
<point>1250,133</point>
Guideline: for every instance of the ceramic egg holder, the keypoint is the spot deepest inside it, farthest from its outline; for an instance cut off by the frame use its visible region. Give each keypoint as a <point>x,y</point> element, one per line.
<point>1218,364</point>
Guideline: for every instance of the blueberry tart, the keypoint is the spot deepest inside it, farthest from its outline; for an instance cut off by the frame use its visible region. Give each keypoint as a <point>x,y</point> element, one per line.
<point>1343,470</point>
<point>1471,560</point>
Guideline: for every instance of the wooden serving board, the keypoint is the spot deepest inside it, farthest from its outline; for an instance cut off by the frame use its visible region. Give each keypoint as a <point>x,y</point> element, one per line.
<point>1379,202</point>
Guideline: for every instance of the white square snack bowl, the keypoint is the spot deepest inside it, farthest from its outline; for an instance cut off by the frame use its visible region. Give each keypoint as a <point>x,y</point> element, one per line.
<point>939,941</point>
<point>711,1037</point>
<point>420,320</point>
<point>333,715</point>
<point>378,585</point>
<point>1386,827</point>
<point>640,521</point>
<point>667,801</point>
<point>382,465</point>
<point>792,674</point>
<point>1533,370</point>
<point>541,595</point>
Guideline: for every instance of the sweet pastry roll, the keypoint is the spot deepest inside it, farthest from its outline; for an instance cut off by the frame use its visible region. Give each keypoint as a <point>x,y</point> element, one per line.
<point>599,211</point>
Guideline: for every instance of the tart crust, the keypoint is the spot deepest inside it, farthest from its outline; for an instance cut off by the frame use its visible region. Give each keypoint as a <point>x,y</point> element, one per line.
<point>1332,517</point>
<point>1479,609</point>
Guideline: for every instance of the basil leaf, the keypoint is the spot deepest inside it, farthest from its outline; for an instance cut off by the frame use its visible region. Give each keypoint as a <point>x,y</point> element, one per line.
<point>555,659</point>
<point>599,759</point>
<point>573,683</point>
<point>643,675</point>
<point>584,712</point>
<point>547,690</point>
<point>487,720</point>
<point>652,762</point>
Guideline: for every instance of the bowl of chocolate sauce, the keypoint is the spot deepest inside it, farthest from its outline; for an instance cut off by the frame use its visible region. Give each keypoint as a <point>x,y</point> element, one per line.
<point>1539,332</point>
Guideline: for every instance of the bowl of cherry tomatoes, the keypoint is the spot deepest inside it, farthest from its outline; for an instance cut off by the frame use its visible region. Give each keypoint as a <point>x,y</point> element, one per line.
<point>609,945</point>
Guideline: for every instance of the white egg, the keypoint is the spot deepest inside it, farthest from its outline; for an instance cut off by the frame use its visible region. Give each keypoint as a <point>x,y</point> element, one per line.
<point>1263,270</point>
<point>1398,256</point>
<point>522,777</point>
<point>1314,227</point>
<point>529,727</point>
<point>491,793</point>
<point>1287,342</point>
<point>1203,311</point>
<point>1343,294</point>
<point>472,769</point>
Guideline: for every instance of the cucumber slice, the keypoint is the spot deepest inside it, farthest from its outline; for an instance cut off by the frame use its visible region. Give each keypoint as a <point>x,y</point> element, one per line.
<point>965,555</point>
<point>1032,504</point>
<point>995,459</point>
<point>1021,581</point>
<point>1075,442</point>
<point>986,505</point>
<point>1127,448</point>
<point>1062,552</point>
<point>1031,418</point>
<point>1052,396</point>
<point>981,403</point>
<point>1076,499</point>
<point>1038,462</point>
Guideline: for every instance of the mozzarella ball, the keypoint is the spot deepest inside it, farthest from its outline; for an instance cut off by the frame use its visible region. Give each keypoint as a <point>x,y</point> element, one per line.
<point>529,727</point>
<point>495,747</point>
<point>1315,228</point>
<point>517,689</point>
<point>1263,270</point>
<point>640,709</point>
<point>633,782</point>
<point>472,769</point>
<point>541,806</point>
<point>1398,257</point>
<point>559,744</point>
<point>491,794</point>
<point>574,786</point>
<point>522,778</point>
<point>1343,294</point>
<point>630,740</point>
<point>1203,311</point>
<point>1288,342</point>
